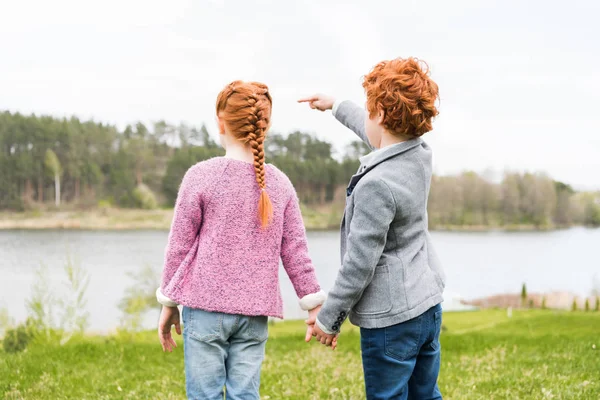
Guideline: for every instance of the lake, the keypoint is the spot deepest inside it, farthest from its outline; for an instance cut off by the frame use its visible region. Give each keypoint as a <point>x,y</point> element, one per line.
<point>476,264</point>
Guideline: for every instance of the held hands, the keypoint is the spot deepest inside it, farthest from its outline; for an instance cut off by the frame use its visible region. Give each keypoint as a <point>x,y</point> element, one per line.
<point>314,330</point>
<point>319,102</point>
<point>169,316</point>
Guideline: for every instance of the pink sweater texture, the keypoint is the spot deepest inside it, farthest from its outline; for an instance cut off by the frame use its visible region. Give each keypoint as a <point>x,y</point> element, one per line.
<point>219,258</point>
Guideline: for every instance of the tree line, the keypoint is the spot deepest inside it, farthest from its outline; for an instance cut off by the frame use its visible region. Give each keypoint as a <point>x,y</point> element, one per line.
<point>48,162</point>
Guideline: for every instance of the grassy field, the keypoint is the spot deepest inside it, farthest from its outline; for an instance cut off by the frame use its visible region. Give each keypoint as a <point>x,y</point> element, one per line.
<point>486,355</point>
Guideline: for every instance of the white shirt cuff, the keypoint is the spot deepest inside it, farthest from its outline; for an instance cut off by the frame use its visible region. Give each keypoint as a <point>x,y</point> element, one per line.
<point>336,104</point>
<point>313,300</point>
<point>324,328</point>
<point>164,300</point>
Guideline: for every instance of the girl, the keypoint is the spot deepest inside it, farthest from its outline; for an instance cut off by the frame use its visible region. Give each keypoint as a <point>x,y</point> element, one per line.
<point>235,217</point>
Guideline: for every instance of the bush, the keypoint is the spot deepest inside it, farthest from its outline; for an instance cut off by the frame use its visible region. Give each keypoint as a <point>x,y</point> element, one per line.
<point>144,198</point>
<point>523,295</point>
<point>139,297</point>
<point>106,203</point>
<point>574,305</point>
<point>544,303</point>
<point>17,339</point>
<point>597,308</point>
<point>587,305</point>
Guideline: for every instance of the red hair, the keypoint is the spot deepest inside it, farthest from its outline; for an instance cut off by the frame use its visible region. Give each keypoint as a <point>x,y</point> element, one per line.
<point>245,108</point>
<point>403,90</point>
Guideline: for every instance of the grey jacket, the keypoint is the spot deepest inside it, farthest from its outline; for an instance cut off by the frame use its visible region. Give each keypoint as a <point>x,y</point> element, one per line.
<point>390,272</point>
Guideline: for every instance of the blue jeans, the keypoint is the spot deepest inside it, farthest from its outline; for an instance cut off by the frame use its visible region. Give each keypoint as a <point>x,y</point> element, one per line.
<point>223,351</point>
<point>403,361</point>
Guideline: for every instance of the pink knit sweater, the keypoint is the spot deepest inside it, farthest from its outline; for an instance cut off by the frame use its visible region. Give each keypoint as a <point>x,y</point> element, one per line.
<point>218,257</point>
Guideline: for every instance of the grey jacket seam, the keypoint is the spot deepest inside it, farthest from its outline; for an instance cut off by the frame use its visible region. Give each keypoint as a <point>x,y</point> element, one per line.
<point>422,170</point>
<point>356,298</point>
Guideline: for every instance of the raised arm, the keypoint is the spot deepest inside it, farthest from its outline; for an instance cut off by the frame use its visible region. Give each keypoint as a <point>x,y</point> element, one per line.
<point>352,117</point>
<point>348,113</point>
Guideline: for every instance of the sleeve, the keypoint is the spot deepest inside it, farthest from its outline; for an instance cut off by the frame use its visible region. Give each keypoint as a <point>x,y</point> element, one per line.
<point>374,211</point>
<point>296,260</point>
<point>336,105</point>
<point>353,117</point>
<point>184,230</point>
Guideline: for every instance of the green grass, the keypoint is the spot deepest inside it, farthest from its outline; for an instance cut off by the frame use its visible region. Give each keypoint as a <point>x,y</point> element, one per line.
<point>533,355</point>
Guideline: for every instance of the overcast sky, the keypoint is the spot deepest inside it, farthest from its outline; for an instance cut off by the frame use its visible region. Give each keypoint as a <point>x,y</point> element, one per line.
<point>519,80</point>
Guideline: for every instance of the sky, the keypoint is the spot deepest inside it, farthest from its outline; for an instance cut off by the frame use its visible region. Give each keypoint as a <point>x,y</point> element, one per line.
<point>519,80</point>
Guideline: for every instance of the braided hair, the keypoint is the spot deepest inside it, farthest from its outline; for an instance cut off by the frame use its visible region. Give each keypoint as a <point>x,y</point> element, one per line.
<point>245,107</point>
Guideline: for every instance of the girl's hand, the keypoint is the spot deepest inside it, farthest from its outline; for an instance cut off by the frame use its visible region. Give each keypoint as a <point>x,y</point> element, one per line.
<point>319,102</point>
<point>169,316</point>
<point>310,322</point>
<point>312,328</point>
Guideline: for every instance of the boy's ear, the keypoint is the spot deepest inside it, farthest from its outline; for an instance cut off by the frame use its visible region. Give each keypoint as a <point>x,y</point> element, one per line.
<point>380,116</point>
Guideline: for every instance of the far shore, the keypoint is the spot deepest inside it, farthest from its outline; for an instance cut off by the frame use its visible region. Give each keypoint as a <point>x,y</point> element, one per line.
<point>315,219</point>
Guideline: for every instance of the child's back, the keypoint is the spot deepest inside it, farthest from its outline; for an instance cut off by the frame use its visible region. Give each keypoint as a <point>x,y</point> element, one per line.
<point>408,280</point>
<point>232,264</point>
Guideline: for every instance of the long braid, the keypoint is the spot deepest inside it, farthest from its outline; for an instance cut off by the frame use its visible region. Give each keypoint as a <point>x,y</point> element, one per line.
<point>246,109</point>
<point>256,138</point>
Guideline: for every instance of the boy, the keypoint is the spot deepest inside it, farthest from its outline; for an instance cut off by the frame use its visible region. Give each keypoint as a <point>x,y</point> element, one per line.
<point>390,283</point>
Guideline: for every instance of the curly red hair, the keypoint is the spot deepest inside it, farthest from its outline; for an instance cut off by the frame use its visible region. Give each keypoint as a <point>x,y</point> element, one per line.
<point>403,90</point>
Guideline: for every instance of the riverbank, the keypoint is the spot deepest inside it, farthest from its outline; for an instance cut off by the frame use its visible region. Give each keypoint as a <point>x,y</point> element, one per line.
<point>326,217</point>
<point>486,355</point>
<point>315,218</point>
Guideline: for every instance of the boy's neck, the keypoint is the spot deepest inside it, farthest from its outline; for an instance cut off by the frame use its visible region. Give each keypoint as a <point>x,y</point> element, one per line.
<point>387,139</point>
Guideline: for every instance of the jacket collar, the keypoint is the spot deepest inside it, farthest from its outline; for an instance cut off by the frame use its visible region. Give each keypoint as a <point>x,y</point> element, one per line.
<point>371,160</point>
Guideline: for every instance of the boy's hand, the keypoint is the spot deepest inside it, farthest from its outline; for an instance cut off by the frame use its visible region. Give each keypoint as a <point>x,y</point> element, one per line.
<point>314,330</point>
<point>324,338</point>
<point>319,102</point>
<point>169,316</point>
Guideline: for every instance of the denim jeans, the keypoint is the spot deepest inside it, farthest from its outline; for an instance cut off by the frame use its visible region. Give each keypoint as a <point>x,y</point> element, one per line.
<point>223,351</point>
<point>403,361</point>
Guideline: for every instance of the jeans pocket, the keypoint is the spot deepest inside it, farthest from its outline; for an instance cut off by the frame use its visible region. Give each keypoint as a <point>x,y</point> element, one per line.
<point>202,325</point>
<point>258,328</point>
<point>437,328</point>
<point>402,341</point>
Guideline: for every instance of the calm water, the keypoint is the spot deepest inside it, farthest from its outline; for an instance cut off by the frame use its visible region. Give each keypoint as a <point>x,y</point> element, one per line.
<point>476,264</point>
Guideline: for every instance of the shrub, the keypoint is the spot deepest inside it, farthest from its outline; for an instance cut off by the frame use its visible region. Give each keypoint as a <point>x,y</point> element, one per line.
<point>17,339</point>
<point>144,198</point>
<point>523,295</point>
<point>139,297</point>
